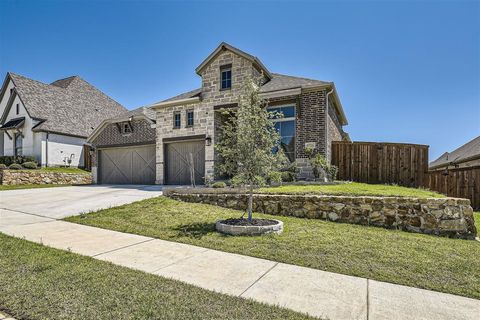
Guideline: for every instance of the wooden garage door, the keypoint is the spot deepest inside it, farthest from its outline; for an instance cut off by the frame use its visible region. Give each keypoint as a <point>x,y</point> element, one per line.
<point>132,165</point>
<point>178,162</point>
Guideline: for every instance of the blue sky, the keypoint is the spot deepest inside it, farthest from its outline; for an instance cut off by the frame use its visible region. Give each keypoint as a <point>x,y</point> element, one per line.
<point>405,71</point>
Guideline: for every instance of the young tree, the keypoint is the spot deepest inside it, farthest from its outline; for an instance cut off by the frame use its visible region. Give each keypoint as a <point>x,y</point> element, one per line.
<point>247,141</point>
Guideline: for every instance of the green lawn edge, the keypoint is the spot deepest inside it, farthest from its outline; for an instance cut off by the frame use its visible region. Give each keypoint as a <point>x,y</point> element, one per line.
<point>411,259</point>
<point>38,282</point>
<point>31,186</point>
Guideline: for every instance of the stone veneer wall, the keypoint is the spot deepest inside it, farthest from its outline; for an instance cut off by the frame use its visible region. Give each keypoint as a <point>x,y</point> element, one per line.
<point>18,177</point>
<point>438,216</point>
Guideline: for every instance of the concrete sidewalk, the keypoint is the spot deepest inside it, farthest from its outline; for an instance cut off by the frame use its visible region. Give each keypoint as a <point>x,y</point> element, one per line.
<point>306,290</point>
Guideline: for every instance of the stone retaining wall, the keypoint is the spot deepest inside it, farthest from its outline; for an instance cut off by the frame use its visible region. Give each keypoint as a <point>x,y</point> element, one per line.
<point>16,177</point>
<point>450,217</point>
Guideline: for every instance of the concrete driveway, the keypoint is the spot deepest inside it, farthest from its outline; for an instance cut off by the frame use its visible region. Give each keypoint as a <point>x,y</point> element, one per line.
<point>61,202</point>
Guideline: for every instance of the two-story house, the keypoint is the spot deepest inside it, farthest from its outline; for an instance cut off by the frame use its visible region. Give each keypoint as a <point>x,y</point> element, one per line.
<point>187,126</point>
<point>51,122</point>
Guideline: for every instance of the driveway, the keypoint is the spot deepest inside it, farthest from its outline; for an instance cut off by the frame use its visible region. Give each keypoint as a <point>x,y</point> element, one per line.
<point>61,202</point>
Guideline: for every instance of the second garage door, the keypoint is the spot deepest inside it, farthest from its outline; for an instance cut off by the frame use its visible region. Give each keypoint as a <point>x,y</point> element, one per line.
<point>130,165</point>
<point>180,158</point>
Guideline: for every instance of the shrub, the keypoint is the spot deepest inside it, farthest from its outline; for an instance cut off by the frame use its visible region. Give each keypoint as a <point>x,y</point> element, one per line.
<point>288,176</point>
<point>8,160</point>
<point>274,177</point>
<point>321,166</point>
<point>2,166</point>
<point>29,165</point>
<point>15,166</point>
<point>219,184</point>
<point>289,172</point>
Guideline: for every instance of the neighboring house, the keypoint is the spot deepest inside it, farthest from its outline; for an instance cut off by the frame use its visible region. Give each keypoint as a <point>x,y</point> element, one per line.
<point>51,121</point>
<point>467,155</point>
<point>188,125</point>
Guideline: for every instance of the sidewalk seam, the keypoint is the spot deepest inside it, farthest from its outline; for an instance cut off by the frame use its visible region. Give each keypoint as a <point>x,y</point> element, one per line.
<point>130,245</point>
<point>180,260</point>
<point>255,282</point>
<point>32,214</point>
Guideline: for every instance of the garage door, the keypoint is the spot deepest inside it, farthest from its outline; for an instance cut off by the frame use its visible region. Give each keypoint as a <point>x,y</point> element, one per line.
<point>132,165</point>
<point>179,158</point>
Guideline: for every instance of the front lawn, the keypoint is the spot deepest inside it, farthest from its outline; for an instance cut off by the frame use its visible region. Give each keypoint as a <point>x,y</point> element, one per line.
<point>411,259</point>
<point>37,282</point>
<point>30,186</point>
<point>354,189</point>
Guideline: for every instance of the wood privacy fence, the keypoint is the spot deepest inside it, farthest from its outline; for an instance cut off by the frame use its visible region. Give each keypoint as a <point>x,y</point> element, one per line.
<point>459,183</point>
<point>377,162</point>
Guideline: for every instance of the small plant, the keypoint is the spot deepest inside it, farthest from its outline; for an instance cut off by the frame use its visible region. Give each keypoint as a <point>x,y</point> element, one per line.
<point>29,165</point>
<point>3,166</point>
<point>219,184</point>
<point>15,166</point>
<point>321,166</point>
<point>274,177</point>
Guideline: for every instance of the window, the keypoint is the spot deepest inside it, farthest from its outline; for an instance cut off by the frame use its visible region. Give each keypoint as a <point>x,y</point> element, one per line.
<point>126,128</point>
<point>18,108</point>
<point>177,120</point>
<point>18,144</point>
<point>190,118</point>
<point>226,77</point>
<point>286,127</point>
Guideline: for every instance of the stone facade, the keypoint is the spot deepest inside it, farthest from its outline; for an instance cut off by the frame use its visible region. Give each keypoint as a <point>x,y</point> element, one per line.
<point>204,111</point>
<point>19,177</point>
<point>450,217</point>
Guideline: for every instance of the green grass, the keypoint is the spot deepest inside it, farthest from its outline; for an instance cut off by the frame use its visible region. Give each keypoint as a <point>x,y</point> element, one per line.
<point>38,282</point>
<point>61,169</point>
<point>424,261</point>
<point>30,186</point>
<point>355,189</point>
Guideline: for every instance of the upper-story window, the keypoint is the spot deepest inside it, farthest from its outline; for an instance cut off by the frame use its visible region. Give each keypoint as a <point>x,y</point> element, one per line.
<point>190,118</point>
<point>18,108</point>
<point>286,128</point>
<point>226,77</point>
<point>177,120</point>
<point>126,128</point>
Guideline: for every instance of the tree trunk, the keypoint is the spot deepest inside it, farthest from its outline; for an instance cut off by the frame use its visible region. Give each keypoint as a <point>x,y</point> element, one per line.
<point>250,204</point>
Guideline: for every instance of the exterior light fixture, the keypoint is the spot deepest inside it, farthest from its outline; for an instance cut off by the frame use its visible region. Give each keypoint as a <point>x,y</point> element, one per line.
<point>208,141</point>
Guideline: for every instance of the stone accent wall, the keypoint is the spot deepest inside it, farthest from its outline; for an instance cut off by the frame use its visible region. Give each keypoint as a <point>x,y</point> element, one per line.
<point>203,111</point>
<point>450,217</point>
<point>18,177</point>
<point>142,132</point>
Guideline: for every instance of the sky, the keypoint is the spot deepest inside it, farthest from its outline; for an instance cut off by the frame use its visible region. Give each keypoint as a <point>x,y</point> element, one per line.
<point>405,71</point>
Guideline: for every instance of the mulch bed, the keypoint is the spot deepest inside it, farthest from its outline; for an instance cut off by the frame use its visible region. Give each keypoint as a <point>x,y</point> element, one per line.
<point>245,222</point>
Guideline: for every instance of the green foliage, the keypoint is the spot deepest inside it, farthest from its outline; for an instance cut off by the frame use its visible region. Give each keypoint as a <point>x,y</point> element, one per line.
<point>219,184</point>
<point>29,165</point>
<point>289,172</point>
<point>274,177</point>
<point>8,160</point>
<point>247,139</point>
<point>15,166</point>
<point>321,165</point>
<point>2,166</point>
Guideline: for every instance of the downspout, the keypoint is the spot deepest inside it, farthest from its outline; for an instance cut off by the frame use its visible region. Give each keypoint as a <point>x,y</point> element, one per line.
<point>46,151</point>
<point>326,124</point>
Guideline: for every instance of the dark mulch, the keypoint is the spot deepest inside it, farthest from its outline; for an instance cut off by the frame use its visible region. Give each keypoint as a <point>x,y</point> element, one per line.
<point>245,222</point>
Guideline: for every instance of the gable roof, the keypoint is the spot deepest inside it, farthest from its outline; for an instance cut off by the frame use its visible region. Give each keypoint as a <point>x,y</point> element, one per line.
<point>225,46</point>
<point>469,151</point>
<point>283,82</point>
<point>68,106</point>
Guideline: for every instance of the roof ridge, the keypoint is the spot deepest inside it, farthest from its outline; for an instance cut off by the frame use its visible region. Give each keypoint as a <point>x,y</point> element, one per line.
<point>287,75</point>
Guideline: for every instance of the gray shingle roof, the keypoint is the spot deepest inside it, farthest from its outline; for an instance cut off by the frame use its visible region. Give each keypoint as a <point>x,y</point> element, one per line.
<point>283,82</point>
<point>147,112</point>
<point>469,150</point>
<point>278,82</point>
<point>70,106</point>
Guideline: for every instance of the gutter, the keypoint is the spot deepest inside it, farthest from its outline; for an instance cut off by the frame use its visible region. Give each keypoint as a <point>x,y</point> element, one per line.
<point>326,123</point>
<point>175,102</point>
<point>46,150</point>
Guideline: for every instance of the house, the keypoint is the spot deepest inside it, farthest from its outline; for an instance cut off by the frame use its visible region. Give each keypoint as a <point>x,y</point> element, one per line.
<point>467,155</point>
<point>51,121</point>
<point>187,126</point>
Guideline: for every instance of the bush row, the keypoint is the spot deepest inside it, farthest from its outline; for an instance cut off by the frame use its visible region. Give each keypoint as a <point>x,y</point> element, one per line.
<point>17,166</point>
<point>8,160</point>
